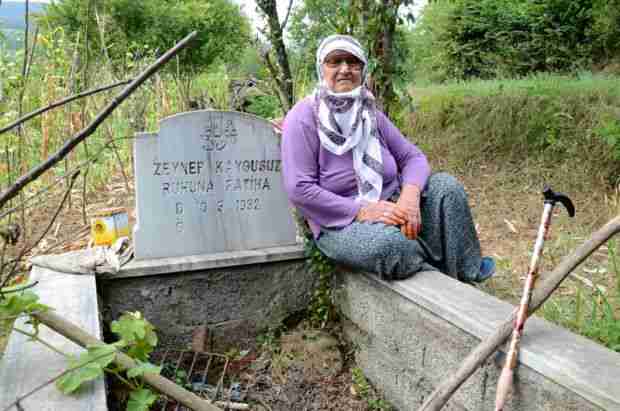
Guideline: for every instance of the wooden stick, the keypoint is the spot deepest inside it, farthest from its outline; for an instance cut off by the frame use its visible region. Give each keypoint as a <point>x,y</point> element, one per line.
<point>34,173</point>
<point>438,398</point>
<point>161,384</point>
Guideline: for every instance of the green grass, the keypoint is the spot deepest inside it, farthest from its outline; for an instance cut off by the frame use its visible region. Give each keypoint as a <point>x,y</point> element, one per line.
<point>555,118</point>
<point>539,84</point>
<point>513,135</point>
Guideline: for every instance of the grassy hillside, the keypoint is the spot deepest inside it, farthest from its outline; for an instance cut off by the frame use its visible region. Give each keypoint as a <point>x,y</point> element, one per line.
<point>555,119</point>
<point>504,140</point>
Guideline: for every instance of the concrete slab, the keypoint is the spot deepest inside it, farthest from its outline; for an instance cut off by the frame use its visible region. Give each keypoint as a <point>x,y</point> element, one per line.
<point>82,262</point>
<point>413,333</point>
<point>26,365</point>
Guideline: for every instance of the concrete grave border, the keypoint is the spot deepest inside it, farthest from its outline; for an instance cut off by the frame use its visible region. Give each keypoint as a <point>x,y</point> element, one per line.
<point>409,334</point>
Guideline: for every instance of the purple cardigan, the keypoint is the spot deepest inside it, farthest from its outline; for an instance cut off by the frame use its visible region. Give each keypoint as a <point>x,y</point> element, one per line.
<point>322,185</point>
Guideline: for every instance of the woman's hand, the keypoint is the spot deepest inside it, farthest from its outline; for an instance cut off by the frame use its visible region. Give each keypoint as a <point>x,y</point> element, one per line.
<point>382,212</point>
<point>409,201</point>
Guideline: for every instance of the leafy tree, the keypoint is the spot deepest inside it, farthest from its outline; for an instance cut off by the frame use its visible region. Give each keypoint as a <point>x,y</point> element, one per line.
<point>489,38</point>
<point>125,27</point>
<point>606,30</point>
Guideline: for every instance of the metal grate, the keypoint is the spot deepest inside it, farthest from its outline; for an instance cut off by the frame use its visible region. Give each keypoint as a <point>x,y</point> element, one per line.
<point>200,372</point>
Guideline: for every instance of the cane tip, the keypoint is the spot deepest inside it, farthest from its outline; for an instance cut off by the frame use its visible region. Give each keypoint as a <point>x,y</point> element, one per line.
<point>504,386</point>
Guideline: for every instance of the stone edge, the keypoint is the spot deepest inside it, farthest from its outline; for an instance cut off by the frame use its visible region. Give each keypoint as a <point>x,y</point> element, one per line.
<point>93,394</point>
<point>552,351</point>
<point>140,268</point>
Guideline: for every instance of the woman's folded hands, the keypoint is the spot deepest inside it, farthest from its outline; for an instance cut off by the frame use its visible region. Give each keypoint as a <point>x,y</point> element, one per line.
<point>404,213</point>
<point>409,201</point>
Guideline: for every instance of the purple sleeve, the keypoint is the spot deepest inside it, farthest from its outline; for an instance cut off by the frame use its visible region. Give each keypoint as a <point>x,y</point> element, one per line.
<point>412,163</point>
<point>300,168</point>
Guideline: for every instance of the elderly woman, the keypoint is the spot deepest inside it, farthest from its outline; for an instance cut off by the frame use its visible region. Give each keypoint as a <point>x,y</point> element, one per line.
<point>366,192</point>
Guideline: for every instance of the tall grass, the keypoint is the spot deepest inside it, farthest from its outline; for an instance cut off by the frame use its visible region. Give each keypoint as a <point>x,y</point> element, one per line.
<point>57,72</point>
<point>560,130</point>
<point>560,119</point>
<point>592,309</point>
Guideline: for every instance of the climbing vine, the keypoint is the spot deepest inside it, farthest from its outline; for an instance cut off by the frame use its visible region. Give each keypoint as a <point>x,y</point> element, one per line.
<point>321,308</point>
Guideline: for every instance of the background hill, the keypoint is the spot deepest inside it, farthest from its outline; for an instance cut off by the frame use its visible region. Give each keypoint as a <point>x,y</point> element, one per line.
<point>12,20</point>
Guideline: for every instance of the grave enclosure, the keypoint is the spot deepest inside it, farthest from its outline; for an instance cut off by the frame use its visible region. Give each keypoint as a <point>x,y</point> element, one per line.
<point>208,185</point>
<point>216,250</point>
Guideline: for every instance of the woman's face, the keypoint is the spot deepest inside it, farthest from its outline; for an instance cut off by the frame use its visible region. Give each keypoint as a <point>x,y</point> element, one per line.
<point>342,71</point>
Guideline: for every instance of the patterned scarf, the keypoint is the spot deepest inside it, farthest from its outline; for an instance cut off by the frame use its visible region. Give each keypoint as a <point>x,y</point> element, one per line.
<point>347,121</point>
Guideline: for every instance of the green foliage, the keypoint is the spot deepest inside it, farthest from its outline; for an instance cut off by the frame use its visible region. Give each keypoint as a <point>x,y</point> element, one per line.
<point>362,386</point>
<point>589,313</point>
<point>88,366</point>
<point>269,339</point>
<point>361,383</point>
<point>141,400</point>
<point>321,307</point>
<point>591,309</point>
<point>137,339</point>
<point>606,30</point>
<point>264,106</point>
<point>133,28</point>
<point>137,333</point>
<point>608,130</point>
<point>603,324</point>
<point>14,304</point>
<point>507,38</point>
<point>560,119</point>
<point>180,377</point>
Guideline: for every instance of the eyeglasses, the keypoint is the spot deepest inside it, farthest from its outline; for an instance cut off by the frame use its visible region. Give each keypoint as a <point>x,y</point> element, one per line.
<point>353,63</point>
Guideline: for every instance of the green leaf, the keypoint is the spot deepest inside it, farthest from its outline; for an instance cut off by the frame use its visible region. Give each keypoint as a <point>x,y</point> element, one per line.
<point>102,354</point>
<point>18,303</point>
<point>129,327</point>
<point>137,332</point>
<point>141,400</point>
<point>143,368</point>
<point>87,367</point>
<point>140,350</point>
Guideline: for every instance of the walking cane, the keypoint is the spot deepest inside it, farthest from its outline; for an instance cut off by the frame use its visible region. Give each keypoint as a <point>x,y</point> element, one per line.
<point>504,384</point>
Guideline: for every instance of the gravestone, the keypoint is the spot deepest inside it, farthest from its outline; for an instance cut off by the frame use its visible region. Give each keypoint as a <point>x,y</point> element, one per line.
<point>209,182</point>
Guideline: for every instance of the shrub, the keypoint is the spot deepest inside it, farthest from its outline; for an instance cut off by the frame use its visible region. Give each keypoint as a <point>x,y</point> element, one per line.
<point>505,38</point>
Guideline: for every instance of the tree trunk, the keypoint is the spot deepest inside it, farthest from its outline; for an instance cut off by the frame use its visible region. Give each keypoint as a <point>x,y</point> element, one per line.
<point>285,79</point>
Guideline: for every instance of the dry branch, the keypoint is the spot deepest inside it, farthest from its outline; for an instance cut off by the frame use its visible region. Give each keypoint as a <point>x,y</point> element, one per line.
<point>161,384</point>
<point>543,291</point>
<point>92,159</point>
<point>34,173</point>
<point>59,103</point>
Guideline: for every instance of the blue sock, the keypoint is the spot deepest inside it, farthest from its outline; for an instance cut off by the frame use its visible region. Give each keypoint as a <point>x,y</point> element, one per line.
<point>487,269</point>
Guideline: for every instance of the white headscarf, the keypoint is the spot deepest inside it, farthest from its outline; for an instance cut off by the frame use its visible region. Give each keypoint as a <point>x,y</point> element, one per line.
<point>347,121</point>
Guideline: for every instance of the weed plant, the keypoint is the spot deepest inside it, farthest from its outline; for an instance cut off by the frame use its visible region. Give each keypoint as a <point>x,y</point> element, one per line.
<point>591,308</point>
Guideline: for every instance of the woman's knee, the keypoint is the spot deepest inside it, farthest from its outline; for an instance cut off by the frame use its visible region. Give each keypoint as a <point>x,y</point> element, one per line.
<point>445,184</point>
<point>391,243</point>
